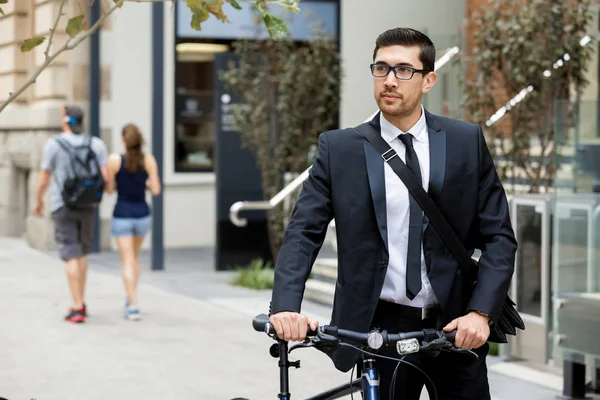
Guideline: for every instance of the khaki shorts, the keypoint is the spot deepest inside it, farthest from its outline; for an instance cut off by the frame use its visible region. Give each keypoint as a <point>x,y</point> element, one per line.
<point>74,231</point>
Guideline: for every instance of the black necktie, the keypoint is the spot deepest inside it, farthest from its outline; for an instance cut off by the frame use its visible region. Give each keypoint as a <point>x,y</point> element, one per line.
<point>413,258</point>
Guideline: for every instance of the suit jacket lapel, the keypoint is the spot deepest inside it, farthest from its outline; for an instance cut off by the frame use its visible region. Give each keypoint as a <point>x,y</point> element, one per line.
<point>376,173</point>
<point>437,157</point>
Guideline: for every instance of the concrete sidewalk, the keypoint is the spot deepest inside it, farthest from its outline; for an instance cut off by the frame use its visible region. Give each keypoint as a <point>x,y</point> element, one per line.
<point>195,341</point>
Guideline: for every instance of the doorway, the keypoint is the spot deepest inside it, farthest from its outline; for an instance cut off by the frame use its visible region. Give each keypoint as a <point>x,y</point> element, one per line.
<point>194,102</point>
<point>531,284</point>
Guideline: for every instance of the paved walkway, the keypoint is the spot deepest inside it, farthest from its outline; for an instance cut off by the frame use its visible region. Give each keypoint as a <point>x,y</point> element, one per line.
<point>195,341</point>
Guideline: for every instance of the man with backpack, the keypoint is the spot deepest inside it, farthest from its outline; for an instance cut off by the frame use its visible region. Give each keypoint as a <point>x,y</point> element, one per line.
<point>77,163</point>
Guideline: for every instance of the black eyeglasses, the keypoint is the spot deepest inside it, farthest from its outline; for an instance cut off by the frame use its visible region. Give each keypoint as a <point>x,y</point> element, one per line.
<point>403,72</point>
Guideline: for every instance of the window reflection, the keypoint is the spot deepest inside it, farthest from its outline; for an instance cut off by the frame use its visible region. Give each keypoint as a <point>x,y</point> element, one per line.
<point>194,102</point>
<point>529,254</point>
<point>195,131</point>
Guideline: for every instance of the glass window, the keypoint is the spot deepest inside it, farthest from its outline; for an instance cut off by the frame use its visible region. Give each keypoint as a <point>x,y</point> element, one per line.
<point>194,119</point>
<point>529,259</point>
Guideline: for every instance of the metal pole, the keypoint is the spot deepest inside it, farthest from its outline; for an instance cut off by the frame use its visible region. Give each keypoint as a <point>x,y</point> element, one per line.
<point>158,253</point>
<point>573,381</point>
<point>94,101</point>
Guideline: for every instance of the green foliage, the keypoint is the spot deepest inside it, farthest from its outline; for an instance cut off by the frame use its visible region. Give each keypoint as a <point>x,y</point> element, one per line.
<point>290,94</point>
<point>514,45</point>
<point>277,28</point>
<point>76,25</point>
<point>257,275</point>
<point>201,12</point>
<point>199,15</point>
<point>32,43</point>
<point>494,349</point>
<point>235,4</point>
<point>275,25</point>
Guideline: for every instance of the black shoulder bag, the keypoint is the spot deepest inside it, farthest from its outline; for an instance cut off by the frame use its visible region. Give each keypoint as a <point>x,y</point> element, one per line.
<point>509,318</point>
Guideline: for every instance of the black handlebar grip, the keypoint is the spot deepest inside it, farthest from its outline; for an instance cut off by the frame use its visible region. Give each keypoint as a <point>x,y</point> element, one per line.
<point>331,330</point>
<point>450,336</point>
<point>260,322</point>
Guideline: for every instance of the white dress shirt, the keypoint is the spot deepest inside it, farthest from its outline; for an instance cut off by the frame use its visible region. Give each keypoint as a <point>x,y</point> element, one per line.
<point>398,204</point>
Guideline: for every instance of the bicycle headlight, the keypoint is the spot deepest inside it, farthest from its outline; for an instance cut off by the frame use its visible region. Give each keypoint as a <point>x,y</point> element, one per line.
<point>375,340</point>
<point>407,346</point>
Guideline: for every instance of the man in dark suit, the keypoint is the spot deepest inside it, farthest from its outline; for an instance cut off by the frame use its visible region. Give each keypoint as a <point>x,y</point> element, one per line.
<point>394,271</point>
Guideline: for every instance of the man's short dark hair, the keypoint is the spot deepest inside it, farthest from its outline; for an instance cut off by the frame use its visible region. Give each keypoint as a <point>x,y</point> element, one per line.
<point>75,116</point>
<point>408,37</point>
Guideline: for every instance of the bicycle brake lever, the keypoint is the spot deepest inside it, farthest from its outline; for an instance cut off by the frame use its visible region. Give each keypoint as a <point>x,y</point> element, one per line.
<point>464,351</point>
<point>434,347</point>
<point>324,339</point>
<point>301,345</point>
<point>319,341</point>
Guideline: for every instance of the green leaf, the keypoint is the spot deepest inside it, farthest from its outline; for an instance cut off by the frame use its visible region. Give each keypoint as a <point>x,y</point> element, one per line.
<point>32,43</point>
<point>215,7</point>
<point>1,12</point>
<point>76,25</point>
<point>199,15</point>
<point>3,1</point>
<point>234,4</point>
<point>275,25</point>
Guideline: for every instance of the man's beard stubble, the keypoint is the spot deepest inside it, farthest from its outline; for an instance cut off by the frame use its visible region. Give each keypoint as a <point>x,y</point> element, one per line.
<point>400,110</point>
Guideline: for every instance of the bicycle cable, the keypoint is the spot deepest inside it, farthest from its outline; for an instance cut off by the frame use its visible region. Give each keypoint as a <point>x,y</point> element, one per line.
<point>393,391</point>
<point>400,360</point>
<point>351,375</point>
<point>393,386</point>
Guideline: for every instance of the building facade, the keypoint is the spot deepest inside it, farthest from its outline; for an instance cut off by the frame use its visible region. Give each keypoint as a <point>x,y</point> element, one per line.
<point>126,93</point>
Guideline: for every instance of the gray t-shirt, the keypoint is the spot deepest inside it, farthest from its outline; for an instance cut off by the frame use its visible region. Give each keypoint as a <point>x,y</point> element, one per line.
<point>56,159</point>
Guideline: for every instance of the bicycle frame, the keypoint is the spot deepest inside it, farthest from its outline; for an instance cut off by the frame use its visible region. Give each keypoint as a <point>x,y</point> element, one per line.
<point>368,382</point>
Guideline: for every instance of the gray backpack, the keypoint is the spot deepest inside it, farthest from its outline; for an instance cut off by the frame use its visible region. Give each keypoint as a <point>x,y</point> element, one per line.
<point>84,185</point>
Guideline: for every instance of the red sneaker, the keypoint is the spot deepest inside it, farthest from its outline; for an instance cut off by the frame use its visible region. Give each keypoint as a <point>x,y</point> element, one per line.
<point>75,316</point>
<point>84,310</point>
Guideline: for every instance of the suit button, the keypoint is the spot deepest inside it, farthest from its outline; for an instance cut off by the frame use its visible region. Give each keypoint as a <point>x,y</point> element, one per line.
<point>382,264</point>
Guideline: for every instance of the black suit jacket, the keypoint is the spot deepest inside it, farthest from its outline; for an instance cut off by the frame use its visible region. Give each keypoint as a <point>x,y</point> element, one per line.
<point>347,183</point>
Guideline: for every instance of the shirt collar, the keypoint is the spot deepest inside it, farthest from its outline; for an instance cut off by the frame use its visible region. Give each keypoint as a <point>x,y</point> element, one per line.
<point>389,132</point>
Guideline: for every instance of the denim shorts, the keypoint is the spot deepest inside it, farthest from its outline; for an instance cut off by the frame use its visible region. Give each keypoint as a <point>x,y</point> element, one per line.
<point>130,226</point>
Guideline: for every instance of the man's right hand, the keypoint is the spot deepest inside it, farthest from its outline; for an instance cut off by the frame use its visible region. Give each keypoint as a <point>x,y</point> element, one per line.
<point>291,326</point>
<point>39,208</point>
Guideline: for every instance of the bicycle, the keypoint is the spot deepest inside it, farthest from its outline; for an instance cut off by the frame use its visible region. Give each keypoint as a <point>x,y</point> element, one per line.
<point>427,340</point>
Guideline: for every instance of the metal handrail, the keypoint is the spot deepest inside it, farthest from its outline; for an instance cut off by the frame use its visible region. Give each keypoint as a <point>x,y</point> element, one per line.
<point>293,185</point>
<point>265,205</point>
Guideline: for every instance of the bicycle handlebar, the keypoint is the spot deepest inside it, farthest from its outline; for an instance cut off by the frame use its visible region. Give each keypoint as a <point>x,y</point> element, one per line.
<point>374,339</point>
<point>390,338</point>
<point>429,341</point>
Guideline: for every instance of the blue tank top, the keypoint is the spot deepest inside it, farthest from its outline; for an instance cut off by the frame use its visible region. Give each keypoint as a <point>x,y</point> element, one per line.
<point>131,193</point>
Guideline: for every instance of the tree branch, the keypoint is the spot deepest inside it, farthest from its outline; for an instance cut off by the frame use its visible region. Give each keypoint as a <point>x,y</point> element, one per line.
<point>93,29</point>
<point>69,45</point>
<point>75,41</point>
<point>53,30</point>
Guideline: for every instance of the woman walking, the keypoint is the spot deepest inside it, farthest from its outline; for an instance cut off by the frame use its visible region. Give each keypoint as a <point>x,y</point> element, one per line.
<point>131,174</point>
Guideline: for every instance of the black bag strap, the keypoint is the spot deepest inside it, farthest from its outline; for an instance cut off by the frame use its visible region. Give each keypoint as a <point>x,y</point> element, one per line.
<point>435,216</point>
<point>68,149</point>
<point>90,155</point>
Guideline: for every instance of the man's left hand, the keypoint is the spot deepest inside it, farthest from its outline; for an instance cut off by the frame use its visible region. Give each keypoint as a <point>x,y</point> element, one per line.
<point>472,330</point>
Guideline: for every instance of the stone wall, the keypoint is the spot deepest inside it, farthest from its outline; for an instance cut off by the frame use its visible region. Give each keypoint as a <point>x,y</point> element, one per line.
<point>34,116</point>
